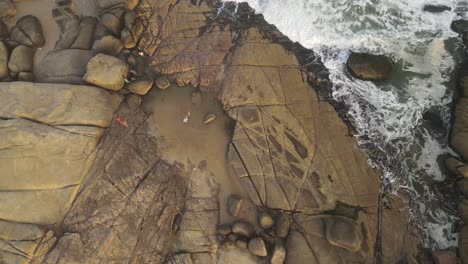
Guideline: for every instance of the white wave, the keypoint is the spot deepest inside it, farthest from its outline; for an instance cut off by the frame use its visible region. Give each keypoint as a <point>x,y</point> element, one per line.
<point>389,115</point>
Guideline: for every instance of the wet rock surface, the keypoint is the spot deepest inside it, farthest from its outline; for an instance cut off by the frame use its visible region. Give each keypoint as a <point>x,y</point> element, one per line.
<point>369,67</point>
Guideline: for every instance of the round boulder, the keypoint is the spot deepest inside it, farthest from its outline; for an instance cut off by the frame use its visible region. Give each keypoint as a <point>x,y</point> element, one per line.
<point>436,8</point>
<point>3,61</point>
<point>21,59</point>
<point>109,45</point>
<point>369,67</point>
<point>141,86</point>
<point>28,32</point>
<point>257,247</point>
<point>106,71</point>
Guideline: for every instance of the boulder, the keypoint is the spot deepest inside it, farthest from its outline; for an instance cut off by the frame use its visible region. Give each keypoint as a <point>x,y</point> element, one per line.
<point>282,225</point>
<point>7,8</point>
<point>141,85</point>
<point>21,59</point>
<point>234,204</point>
<point>242,228</point>
<point>459,26</point>
<point>279,254</point>
<point>436,8</point>
<point>257,247</point>
<point>26,77</point>
<point>463,210</point>
<point>162,83</point>
<point>343,232</point>
<point>4,32</point>
<point>3,60</point>
<point>133,28</point>
<point>109,45</point>
<point>112,22</point>
<point>28,32</point>
<point>444,257</point>
<point>265,220</point>
<point>210,117</point>
<point>85,35</point>
<point>369,67</point>
<point>63,66</point>
<point>106,71</point>
<point>112,4</point>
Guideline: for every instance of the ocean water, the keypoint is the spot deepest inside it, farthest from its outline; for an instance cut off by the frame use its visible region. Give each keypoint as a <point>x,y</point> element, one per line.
<point>388,116</point>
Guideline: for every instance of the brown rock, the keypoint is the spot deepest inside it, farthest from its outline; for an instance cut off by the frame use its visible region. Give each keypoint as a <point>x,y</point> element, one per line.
<point>28,32</point>
<point>112,22</point>
<point>3,60</point>
<point>454,166</point>
<point>106,71</point>
<point>21,59</point>
<point>234,204</point>
<point>162,83</point>
<point>108,45</point>
<point>463,185</point>
<point>7,8</point>
<point>344,232</point>
<point>282,225</point>
<point>463,210</point>
<point>463,244</point>
<point>209,118</point>
<point>224,229</point>
<point>242,243</point>
<point>4,32</point>
<point>26,77</point>
<point>444,257</point>
<point>233,237</point>
<point>279,254</point>
<point>257,247</point>
<point>242,228</point>
<point>265,220</point>
<point>85,35</point>
<point>141,86</point>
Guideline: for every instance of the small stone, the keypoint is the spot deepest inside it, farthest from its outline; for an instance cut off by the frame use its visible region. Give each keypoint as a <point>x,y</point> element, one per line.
<point>282,225</point>
<point>242,228</point>
<point>109,45</point>
<point>279,254</point>
<point>209,118</point>
<point>28,32</point>
<point>124,91</point>
<point>163,83</point>
<point>196,98</point>
<point>221,238</point>
<point>141,86</point>
<point>224,229</point>
<point>233,237</point>
<point>369,66</point>
<point>227,244</point>
<point>7,8</point>
<point>26,77</point>
<point>444,257</point>
<point>463,186</point>
<point>265,220</point>
<point>241,242</point>
<point>234,204</point>
<point>268,237</point>
<point>131,60</point>
<point>21,59</point>
<point>436,8</point>
<point>257,247</point>
<point>463,210</point>
<point>112,22</point>
<point>3,31</point>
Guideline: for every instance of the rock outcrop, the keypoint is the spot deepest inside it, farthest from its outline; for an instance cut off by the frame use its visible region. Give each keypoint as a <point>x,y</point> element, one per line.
<point>369,67</point>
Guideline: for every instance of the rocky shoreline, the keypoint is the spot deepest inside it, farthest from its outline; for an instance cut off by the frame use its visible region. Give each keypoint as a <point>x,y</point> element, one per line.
<point>83,161</point>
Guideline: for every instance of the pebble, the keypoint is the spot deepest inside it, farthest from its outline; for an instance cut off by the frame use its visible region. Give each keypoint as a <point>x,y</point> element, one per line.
<point>257,247</point>
<point>241,243</point>
<point>234,204</point>
<point>224,229</point>
<point>233,237</point>
<point>163,83</point>
<point>242,228</point>
<point>282,225</point>
<point>279,254</point>
<point>227,244</point>
<point>266,221</point>
<point>209,118</point>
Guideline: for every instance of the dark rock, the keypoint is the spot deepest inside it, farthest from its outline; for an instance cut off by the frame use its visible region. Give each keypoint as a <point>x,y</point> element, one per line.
<point>85,36</point>
<point>265,220</point>
<point>463,75</point>
<point>268,236</point>
<point>162,83</point>
<point>3,60</point>
<point>463,186</point>
<point>444,257</point>
<point>112,22</point>
<point>21,59</point>
<point>279,254</point>
<point>344,232</point>
<point>460,26</point>
<point>282,225</point>
<point>436,8</point>
<point>106,71</point>
<point>242,228</point>
<point>141,86</point>
<point>63,66</point>
<point>28,32</point>
<point>221,237</point>
<point>463,244</point>
<point>131,60</point>
<point>128,40</point>
<point>369,67</point>
<point>133,28</point>
<point>234,204</point>
<point>459,132</point>
<point>456,167</point>
<point>109,45</point>
<point>233,237</point>
<point>7,8</point>
<point>463,210</point>
<point>4,33</point>
<point>224,229</point>
<point>257,247</point>
<point>26,77</point>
